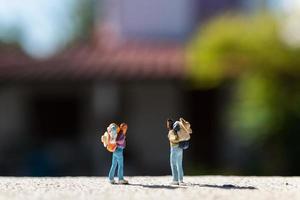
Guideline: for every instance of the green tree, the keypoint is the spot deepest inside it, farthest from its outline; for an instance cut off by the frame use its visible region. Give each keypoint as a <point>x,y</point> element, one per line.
<point>233,44</point>
<point>250,52</point>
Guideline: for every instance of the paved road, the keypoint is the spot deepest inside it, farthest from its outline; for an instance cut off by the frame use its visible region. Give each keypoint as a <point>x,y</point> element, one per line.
<point>199,187</point>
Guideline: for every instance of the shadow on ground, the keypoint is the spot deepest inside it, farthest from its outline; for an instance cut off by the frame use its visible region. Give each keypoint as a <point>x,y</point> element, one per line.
<point>156,186</point>
<point>171,187</point>
<point>227,186</point>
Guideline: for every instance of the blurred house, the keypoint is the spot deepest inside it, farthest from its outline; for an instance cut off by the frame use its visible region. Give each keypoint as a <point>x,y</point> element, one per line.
<point>64,100</point>
<point>131,70</point>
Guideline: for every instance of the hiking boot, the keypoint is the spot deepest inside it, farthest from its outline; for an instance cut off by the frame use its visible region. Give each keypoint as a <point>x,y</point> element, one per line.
<point>182,183</point>
<point>174,183</point>
<point>123,182</point>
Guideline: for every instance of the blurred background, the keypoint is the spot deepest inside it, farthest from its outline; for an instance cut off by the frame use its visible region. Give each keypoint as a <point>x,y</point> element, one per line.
<point>69,68</point>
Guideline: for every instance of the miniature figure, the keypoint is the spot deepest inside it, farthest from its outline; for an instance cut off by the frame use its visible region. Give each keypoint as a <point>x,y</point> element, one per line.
<point>179,136</point>
<point>114,141</point>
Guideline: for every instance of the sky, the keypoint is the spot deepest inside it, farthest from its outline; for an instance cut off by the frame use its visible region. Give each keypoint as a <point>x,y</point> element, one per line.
<point>291,5</point>
<point>291,23</point>
<point>42,26</point>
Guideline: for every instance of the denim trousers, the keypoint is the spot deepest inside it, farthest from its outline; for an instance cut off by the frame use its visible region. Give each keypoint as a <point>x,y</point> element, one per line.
<point>117,160</point>
<point>176,163</point>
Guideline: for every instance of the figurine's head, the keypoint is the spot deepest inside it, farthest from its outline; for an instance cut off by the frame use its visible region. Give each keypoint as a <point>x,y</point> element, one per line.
<point>169,124</point>
<point>113,128</point>
<point>177,126</point>
<point>123,128</point>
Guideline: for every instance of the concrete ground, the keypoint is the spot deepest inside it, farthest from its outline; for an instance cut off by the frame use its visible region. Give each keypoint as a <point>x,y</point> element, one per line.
<point>140,188</point>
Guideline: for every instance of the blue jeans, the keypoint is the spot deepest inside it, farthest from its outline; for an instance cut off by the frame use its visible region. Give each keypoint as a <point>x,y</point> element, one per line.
<point>176,163</point>
<point>117,160</point>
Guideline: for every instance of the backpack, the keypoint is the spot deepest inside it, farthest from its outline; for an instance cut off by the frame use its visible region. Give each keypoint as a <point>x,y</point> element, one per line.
<point>111,147</point>
<point>184,144</point>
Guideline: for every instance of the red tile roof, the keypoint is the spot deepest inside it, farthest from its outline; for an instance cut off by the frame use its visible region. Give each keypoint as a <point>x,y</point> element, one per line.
<point>131,59</point>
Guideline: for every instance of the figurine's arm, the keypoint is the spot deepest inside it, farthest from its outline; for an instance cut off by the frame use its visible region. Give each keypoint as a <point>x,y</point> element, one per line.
<point>173,137</point>
<point>123,128</point>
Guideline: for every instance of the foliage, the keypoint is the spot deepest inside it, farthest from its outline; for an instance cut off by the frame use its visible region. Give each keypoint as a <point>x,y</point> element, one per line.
<point>234,44</point>
<point>249,50</point>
